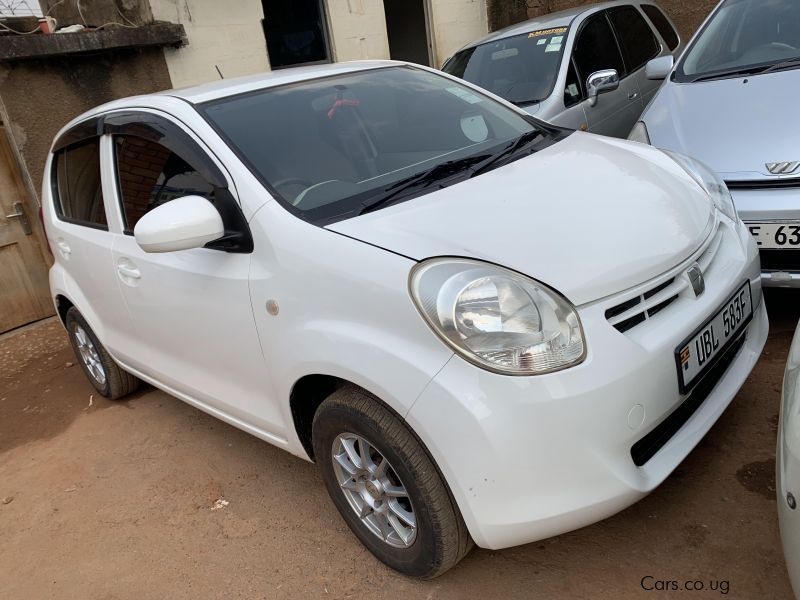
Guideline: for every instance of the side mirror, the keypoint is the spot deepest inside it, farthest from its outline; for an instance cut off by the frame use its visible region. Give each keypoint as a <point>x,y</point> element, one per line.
<point>601,82</point>
<point>660,67</point>
<point>180,224</point>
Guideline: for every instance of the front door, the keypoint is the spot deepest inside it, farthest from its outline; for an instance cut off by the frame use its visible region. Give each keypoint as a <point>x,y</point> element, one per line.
<point>192,326</point>
<point>24,288</point>
<point>596,49</point>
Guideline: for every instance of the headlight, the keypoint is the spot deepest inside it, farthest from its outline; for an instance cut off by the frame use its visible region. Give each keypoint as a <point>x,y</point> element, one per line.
<point>496,318</point>
<point>639,133</point>
<point>707,179</point>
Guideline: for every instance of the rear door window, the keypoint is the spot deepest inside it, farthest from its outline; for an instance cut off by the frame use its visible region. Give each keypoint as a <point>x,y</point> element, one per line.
<point>77,185</point>
<point>596,48</point>
<point>149,175</point>
<point>662,25</point>
<point>639,44</point>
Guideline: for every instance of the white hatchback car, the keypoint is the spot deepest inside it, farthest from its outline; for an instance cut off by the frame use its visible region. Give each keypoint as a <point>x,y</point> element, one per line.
<point>481,327</point>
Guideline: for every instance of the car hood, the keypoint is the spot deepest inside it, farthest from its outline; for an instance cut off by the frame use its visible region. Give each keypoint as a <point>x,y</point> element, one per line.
<point>589,216</point>
<point>736,128</point>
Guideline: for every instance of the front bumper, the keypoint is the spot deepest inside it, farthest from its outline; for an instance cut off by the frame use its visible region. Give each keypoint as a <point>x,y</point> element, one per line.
<point>531,457</point>
<point>780,268</point>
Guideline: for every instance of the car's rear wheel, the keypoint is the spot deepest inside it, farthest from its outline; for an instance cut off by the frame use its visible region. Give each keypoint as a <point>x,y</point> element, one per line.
<point>98,366</point>
<point>386,487</point>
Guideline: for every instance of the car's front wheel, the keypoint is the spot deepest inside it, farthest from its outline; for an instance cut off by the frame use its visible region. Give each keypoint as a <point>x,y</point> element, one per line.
<point>103,373</point>
<point>386,487</point>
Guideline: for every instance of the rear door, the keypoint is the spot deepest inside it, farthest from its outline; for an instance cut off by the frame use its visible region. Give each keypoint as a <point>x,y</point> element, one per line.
<point>596,49</point>
<point>81,234</point>
<point>639,45</point>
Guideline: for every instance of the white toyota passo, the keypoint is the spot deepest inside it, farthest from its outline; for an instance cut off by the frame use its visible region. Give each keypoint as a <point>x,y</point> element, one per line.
<point>479,326</point>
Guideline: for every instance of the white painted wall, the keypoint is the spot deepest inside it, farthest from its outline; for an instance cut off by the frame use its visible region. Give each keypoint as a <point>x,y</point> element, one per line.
<point>456,23</point>
<point>225,34</point>
<point>357,29</point>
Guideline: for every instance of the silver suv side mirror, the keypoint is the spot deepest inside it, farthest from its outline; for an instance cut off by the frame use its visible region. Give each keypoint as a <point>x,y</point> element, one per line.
<point>601,82</point>
<point>660,67</point>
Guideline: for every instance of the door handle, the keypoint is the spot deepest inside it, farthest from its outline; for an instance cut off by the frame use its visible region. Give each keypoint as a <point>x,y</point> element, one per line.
<point>64,248</point>
<point>19,213</point>
<point>633,95</point>
<point>129,272</point>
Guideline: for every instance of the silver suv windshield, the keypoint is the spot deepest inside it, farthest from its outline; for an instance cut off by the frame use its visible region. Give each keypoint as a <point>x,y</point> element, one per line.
<point>522,69</point>
<point>744,37</point>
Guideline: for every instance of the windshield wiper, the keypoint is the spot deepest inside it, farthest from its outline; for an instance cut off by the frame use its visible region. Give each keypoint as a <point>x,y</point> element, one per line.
<point>784,64</point>
<point>510,150</point>
<point>728,74</point>
<point>791,63</point>
<point>521,103</point>
<point>424,178</point>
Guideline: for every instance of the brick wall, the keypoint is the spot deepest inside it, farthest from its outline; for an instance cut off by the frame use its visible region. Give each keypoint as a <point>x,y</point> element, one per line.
<point>687,16</point>
<point>140,163</point>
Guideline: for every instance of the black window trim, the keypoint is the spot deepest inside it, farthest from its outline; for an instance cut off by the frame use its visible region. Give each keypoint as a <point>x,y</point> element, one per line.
<point>656,37</point>
<point>79,138</point>
<point>165,131</point>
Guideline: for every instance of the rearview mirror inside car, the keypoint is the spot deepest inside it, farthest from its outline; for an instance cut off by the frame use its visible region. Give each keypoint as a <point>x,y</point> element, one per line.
<point>180,224</point>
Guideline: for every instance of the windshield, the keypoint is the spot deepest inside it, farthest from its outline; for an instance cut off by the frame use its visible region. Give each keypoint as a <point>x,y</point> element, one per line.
<point>743,37</point>
<point>331,147</point>
<point>522,69</point>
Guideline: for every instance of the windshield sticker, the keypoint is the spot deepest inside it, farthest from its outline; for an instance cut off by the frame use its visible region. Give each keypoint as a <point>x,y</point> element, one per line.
<point>464,95</point>
<point>541,42</point>
<point>548,32</point>
<point>553,48</point>
<point>557,39</point>
<point>572,90</point>
<point>507,53</point>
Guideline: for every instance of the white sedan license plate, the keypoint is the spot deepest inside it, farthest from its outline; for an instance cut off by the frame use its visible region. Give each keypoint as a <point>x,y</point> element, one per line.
<point>785,235</point>
<point>698,353</point>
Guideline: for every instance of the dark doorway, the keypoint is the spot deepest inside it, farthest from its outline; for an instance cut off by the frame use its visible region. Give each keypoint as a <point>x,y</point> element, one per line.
<point>296,32</point>
<point>406,26</point>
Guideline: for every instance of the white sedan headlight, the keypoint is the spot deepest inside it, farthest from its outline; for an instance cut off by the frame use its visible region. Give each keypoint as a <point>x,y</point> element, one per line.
<point>707,179</point>
<point>496,318</point>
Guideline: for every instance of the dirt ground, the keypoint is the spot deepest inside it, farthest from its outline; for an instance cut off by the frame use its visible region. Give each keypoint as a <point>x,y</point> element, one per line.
<point>107,500</point>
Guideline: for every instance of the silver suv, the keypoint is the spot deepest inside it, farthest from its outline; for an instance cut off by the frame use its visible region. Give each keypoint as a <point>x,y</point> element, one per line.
<point>555,67</point>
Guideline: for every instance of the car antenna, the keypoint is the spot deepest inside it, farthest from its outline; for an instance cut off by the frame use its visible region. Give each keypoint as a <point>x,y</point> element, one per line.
<point>218,71</point>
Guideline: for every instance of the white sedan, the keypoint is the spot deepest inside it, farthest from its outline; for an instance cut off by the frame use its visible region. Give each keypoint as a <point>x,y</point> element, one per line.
<point>481,327</point>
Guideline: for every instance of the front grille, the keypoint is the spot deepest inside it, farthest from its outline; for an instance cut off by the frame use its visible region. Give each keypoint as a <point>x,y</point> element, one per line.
<point>647,447</point>
<point>634,311</point>
<point>780,260</point>
<point>637,310</point>
<point>764,184</point>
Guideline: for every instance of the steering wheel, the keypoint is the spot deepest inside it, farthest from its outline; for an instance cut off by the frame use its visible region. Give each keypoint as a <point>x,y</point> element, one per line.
<point>301,196</point>
<point>781,45</point>
<point>291,181</point>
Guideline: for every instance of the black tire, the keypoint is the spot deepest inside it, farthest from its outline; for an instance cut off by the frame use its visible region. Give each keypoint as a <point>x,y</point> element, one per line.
<point>117,383</point>
<point>441,538</point>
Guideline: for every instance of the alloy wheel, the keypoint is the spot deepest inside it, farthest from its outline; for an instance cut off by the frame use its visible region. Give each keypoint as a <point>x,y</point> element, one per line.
<point>374,490</point>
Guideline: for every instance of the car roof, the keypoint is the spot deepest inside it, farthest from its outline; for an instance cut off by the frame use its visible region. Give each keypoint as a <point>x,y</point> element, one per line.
<point>241,85</point>
<point>563,18</point>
